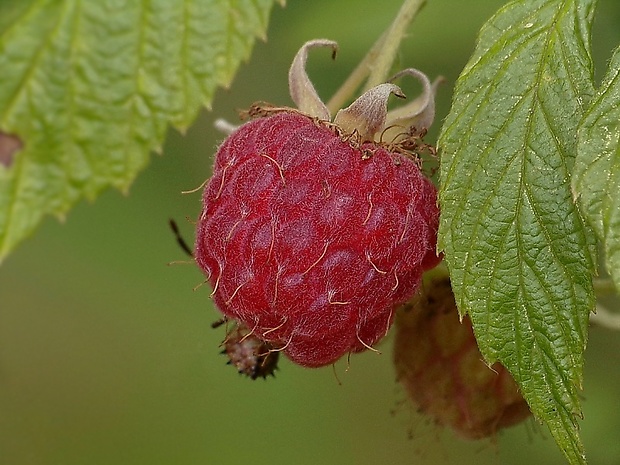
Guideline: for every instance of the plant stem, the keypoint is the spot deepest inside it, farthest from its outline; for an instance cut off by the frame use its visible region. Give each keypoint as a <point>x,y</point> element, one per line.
<point>396,33</point>
<point>355,79</point>
<point>379,59</point>
<point>606,318</point>
<point>604,286</point>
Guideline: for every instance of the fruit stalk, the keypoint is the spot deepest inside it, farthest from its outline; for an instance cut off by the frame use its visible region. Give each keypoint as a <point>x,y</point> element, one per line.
<point>379,58</point>
<point>396,33</point>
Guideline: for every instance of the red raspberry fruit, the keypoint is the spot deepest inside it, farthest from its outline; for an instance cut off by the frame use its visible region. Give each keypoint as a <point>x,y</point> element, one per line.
<point>438,362</point>
<point>311,233</point>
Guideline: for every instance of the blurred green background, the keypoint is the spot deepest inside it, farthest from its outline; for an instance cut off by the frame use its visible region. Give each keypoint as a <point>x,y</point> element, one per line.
<point>107,355</point>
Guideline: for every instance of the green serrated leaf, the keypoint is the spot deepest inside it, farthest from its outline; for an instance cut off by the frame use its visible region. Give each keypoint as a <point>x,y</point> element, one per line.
<point>90,87</point>
<point>596,178</point>
<point>519,254</point>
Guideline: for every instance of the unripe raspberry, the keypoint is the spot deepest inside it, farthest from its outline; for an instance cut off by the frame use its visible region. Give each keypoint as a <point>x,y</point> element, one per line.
<point>248,354</point>
<point>438,362</point>
<point>311,232</point>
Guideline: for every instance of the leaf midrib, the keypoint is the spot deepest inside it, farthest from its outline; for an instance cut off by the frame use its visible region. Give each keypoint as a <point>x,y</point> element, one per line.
<point>21,160</point>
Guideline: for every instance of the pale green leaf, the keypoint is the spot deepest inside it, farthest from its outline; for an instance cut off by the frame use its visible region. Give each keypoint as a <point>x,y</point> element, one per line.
<point>90,87</point>
<point>596,179</point>
<point>519,254</point>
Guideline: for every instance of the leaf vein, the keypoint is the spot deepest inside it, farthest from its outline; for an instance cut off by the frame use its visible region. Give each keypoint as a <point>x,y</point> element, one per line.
<point>18,170</point>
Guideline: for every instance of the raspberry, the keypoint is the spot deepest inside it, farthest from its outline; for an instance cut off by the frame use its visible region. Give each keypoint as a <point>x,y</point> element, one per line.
<point>311,232</point>
<point>439,364</point>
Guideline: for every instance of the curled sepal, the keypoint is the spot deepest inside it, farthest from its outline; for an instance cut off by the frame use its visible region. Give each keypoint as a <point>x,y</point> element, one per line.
<point>302,91</point>
<point>418,115</point>
<point>368,113</point>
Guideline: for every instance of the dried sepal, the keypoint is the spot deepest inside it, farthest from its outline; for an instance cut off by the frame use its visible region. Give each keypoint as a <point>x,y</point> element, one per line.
<point>418,115</point>
<point>367,115</point>
<point>301,89</point>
